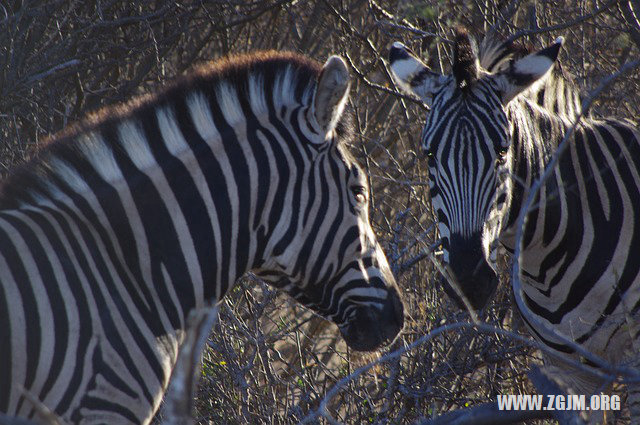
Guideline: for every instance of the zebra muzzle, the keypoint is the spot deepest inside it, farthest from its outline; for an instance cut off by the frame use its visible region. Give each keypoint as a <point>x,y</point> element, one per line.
<point>470,277</point>
<point>371,328</point>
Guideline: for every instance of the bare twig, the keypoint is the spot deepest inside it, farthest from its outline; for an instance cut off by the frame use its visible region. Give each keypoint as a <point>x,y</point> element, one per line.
<point>563,25</point>
<point>486,414</point>
<point>631,13</point>
<point>50,71</point>
<point>178,408</point>
<point>323,409</point>
<point>45,415</point>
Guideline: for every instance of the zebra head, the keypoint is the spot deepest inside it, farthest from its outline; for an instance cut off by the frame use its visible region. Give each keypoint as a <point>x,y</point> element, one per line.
<point>324,252</point>
<point>467,142</point>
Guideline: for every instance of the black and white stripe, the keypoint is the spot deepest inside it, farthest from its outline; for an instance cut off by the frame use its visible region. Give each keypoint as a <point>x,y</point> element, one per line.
<point>129,220</point>
<point>488,137</point>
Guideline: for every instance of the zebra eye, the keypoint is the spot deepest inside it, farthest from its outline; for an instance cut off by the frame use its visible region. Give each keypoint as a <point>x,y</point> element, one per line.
<point>502,154</point>
<point>430,158</point>
<point>360,193</point>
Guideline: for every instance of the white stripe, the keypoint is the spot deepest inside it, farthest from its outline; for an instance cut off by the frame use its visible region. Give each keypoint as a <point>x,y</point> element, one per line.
<point>134,142</point>
<point>171,134</point>
<point>100,156</point>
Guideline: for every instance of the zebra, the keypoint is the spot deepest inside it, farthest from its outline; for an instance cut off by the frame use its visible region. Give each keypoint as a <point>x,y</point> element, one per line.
<point>125,222</point>
<point>494,125</point>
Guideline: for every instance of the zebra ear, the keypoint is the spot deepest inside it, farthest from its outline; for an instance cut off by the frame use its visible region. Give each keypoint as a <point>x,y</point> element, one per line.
<point>527,70</point>
<point>411,74</point>
<point>331,93</point>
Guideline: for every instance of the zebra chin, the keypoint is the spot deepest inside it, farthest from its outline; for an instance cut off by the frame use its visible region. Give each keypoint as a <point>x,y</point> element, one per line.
<point>371,328</point>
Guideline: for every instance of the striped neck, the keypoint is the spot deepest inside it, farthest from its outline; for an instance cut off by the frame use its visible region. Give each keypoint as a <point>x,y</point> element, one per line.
<point>536,135</point>
<point>178,183</point>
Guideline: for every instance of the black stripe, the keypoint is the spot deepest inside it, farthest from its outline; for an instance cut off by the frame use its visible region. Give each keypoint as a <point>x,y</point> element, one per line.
<point>112,205</point>
<point>33,337</point>
<point>260,157</point>
<point>66,249</point>
<point>304,255</point>
<point>214,177</point>
<point>293,149</point>
<point>55,298</point>
<point>189,201</point>
<point>240,170</point>
<point>325,255</point>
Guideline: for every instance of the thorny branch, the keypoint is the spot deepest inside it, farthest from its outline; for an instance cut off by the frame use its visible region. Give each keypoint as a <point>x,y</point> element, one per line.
<point>564,25</point>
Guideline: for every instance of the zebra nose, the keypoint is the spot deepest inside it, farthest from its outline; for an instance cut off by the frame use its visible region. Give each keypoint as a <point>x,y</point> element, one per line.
<point>477,289</point>
<point>476,279</point>
<point>372,328</point>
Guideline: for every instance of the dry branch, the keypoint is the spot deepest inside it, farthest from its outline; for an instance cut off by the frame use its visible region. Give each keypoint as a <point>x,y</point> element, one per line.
<point>486,414</point>
<point>178,403</point>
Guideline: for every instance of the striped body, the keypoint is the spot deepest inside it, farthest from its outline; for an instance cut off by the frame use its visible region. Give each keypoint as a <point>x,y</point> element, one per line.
<point>578,265</point>
<point>493,128</point>
<point>131,219</point>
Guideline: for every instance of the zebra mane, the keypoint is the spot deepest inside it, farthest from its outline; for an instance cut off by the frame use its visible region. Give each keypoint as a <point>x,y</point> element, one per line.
<point>293,75</point>
<point>494,54</point>
<point>265,82</point>
<point>465,62</point>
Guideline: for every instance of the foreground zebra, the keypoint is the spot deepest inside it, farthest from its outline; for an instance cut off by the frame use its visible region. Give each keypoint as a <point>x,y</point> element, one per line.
<point>487,138</point>
<point>132,218</point>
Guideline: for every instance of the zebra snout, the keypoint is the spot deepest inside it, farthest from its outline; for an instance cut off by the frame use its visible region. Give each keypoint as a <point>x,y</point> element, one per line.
<point>471,272</point>
<point>372,328</point>
<point>478,289</point>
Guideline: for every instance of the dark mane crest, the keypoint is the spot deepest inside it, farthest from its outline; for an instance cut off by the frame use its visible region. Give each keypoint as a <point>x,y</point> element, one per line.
<point>465,63</point>
<point>235,69</point>
<point>262,80</point>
